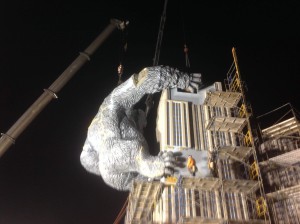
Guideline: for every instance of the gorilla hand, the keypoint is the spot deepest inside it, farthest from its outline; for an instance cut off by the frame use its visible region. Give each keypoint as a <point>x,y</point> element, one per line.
<point>157,166</point>
<point>195,83</point>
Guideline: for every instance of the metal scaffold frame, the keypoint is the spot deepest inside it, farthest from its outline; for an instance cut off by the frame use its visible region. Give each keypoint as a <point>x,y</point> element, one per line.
<point>235,120</point>
<point>280,147</point>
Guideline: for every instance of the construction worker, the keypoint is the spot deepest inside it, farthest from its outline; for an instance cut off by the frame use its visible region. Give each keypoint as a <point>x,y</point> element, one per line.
<point>191,165</point>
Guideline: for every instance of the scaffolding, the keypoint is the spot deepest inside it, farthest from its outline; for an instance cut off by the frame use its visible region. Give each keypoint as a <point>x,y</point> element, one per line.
<point>280,147</point>
<point>238,161</point>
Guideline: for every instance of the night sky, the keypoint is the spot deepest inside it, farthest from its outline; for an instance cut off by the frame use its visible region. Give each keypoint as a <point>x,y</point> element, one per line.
<point>41,179</point>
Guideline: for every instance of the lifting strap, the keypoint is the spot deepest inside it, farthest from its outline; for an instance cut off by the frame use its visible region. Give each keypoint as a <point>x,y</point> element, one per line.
<point>123,51</point>
<point>185,47</point>
<point>121,213</point>
<point>187,60</point>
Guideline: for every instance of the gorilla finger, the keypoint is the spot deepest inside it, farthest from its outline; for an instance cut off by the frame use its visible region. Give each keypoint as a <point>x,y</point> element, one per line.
<point>169,159</point>
<point>198,80</point>
<point>189,89</point>
<point>169,164</point>
<point>169,171</point>
<point>167,154</point>
<point>176,154</point>
<point>196,75</point>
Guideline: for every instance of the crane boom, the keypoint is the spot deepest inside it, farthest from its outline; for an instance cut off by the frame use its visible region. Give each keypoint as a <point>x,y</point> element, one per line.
<point>8,138</point>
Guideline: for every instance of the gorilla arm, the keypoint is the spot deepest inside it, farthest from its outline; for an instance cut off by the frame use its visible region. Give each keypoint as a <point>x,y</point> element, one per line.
<point>122,151</point>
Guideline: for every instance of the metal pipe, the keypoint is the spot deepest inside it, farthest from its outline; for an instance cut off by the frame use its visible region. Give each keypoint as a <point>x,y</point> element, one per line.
<point>7,139</point>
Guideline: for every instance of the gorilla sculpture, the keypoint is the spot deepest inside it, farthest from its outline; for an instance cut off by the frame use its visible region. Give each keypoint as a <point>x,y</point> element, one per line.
<point>115,147</point>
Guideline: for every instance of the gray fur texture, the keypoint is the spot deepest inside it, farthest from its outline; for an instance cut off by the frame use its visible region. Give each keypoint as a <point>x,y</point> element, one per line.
<point>115,147</point>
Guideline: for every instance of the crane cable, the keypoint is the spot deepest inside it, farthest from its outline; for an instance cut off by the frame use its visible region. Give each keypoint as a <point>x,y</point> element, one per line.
<point>121,213</point>
<point>185,47</point>
<point>149,100</point>
<point>123,51</point>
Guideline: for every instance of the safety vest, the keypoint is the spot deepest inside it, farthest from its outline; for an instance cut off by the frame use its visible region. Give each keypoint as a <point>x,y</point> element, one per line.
<point>190,163</point>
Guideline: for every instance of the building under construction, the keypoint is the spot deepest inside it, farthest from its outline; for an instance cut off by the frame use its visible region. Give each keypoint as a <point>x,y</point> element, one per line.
<point>212,125</point>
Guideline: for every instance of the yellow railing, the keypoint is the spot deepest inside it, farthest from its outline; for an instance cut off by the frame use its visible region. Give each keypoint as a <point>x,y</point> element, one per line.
<point>261,207</point>
<point>235,84</point>
<point>253,171</point>
<point>242,111</point>
<point>248,139</point>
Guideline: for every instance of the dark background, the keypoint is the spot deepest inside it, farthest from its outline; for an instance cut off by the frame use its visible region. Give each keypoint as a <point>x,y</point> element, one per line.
<point>41,179</point>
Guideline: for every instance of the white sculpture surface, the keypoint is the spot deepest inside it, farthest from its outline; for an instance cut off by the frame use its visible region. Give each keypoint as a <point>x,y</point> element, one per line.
<point>115,148</point>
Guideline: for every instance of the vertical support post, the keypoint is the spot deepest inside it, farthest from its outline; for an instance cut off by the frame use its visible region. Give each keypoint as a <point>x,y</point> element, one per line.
<point>171,122</point>
<point>201,203</point>
<point>189,142</point>
<point>286,211</point>
<point>209,135</point>
<point>161,204</point>
<point>200,112</point>
<point>296,209</point>
<point>224,205</point>
<point>194,112</point>
<point>193,198</point>
<point>231,168</point>
<point>187,202</point>
<point>218,204</point>
<point>165,205</point>
<point>173,202</point>
<point>245,207</point>
<point>208,204</point>
<point>238,206</point>
<point>183,124</point>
